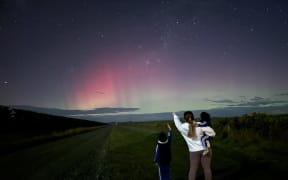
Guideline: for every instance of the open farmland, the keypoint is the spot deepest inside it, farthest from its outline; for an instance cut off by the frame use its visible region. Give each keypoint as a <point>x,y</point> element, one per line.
<point>132,147</point>
<point>247,147</point>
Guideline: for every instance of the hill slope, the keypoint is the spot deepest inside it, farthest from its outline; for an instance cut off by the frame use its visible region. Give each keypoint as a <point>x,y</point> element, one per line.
<point>20,128</point>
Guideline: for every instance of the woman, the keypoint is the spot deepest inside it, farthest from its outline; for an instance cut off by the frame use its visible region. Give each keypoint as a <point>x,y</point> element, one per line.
<point>192,135</point>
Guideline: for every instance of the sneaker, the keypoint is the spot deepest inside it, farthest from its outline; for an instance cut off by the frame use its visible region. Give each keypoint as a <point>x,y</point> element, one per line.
<point>205,152</point>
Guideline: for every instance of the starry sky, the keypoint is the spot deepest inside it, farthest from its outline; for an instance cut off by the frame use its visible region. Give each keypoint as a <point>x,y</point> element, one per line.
<point>154,56</point>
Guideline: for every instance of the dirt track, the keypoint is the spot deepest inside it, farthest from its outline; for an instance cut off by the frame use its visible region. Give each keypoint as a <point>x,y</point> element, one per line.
<point>69,158</point>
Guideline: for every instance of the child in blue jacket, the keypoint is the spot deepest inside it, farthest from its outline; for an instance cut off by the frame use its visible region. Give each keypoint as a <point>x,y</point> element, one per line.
<point>205,139</point>
<point>163,154</point>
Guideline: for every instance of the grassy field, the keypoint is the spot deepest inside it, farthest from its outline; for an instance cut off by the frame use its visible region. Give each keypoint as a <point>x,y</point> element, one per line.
<point>131,152</point>
<point>241,150</point>
<point>76,157</point>
<point>242,154</point>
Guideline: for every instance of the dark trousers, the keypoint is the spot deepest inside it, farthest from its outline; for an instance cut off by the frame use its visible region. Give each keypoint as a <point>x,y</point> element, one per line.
<point>164,172</point>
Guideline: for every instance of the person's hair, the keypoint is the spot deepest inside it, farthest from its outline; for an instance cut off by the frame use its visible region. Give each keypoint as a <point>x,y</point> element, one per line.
<point>162,137</point>
<point>189,118</point>
<point>205,117</point>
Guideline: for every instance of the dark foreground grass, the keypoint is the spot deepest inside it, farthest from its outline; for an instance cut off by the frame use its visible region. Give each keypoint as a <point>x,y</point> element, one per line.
<point>130,153</point>
<point>77,157</point>
<point>262,160</point>
<point>126,151</point>
<point>132,147</point>
<point>10,144</point>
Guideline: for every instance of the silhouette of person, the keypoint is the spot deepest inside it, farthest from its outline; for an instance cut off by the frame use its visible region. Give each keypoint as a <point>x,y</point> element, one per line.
<point>192,133</point>
<point>163,154</point>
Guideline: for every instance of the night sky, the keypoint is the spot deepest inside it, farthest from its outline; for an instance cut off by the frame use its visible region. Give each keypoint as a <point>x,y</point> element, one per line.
<point>158,56</point>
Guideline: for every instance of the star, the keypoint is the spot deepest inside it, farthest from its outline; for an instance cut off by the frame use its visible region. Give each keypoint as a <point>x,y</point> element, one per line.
<point>147,62</point>
<point>251,29</point>
<point>101,35</point>
<point>195,20</point>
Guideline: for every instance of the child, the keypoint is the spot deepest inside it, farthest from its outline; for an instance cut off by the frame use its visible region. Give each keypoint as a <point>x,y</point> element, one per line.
<point>205,139</point>
<point>163,154</point>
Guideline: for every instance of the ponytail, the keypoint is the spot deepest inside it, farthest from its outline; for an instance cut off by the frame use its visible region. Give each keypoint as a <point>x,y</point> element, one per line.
<point>189,117</point>
<point>191,132</point>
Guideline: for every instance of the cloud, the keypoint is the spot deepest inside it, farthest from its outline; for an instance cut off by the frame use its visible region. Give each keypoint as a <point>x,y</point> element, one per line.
<point>256,98</point>
<point>221,101</point>
<point>110,110</point>
<point>260,101</point>
<point>282,94</point>
<point>243,97</point>
<point>256,101</point>
<point>64,112</point>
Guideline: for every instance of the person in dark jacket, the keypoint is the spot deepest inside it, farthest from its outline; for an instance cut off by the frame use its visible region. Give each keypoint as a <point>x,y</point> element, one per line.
<point>163,154</point>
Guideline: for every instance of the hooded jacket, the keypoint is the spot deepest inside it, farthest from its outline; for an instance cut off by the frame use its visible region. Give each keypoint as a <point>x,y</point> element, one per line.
<point>163,151</point>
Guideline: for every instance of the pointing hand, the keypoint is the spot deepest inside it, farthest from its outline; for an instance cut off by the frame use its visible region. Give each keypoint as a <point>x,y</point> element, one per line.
<point>169,128</point>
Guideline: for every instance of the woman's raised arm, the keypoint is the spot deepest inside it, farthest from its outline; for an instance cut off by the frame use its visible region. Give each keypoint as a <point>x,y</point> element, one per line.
<point>177,122</point>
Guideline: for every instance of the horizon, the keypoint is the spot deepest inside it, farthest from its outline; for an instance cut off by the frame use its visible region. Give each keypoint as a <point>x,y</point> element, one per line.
<point>109,115</point>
